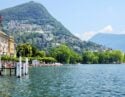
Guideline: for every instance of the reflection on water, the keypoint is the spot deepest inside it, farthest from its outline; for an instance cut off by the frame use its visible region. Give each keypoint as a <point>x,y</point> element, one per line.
<point>67,81</point>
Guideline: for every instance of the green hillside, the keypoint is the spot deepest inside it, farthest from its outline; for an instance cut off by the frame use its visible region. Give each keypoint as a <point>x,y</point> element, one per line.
<point>31,22</point>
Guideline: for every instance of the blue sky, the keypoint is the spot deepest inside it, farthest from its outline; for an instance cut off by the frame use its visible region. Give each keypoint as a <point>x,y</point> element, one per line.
<point>84,18</point>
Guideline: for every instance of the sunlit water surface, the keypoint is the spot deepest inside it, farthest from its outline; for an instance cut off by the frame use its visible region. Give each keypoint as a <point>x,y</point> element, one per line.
<point>67,81</point>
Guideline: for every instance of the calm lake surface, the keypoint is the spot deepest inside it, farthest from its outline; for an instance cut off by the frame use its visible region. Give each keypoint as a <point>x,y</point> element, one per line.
<point>67,81</point>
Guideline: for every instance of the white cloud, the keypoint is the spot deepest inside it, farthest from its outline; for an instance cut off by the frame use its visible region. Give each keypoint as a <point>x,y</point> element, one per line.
<point>89,34</point>
<point>86,35</point>
<point>106,29</point>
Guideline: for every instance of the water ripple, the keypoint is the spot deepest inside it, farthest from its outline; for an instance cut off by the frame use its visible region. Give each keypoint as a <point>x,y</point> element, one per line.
<point>67,81</point>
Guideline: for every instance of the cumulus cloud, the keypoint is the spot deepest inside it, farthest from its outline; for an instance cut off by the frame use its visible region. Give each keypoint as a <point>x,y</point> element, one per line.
<point>106,29</point>
<point>86,35</point>
<point>89,34</point>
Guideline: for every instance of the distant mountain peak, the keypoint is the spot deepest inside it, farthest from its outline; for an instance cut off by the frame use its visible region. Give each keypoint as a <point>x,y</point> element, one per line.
<point>114,41</point>
<point>31,1</point>
<point>38,27</point>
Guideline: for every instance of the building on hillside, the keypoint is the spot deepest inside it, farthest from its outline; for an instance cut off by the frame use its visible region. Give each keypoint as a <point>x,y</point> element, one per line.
<point>7,44</point>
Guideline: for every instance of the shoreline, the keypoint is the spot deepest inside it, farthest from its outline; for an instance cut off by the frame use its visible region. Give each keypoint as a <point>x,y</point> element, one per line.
<point>60,64</point>
<point>52,64</point>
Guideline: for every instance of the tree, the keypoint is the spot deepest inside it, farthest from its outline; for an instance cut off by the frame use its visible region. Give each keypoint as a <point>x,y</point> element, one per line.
<point>61,53</point>
<point>34,51</point>
<point>88,57</point>
<point>41,54</point>
<point>104,57</point>
<point>24,50</point>
<point>124,58</point>
<point>74,57</point>
<point>117,56</point>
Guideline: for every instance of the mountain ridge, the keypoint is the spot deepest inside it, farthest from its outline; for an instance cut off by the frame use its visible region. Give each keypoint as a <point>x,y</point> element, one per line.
<point>114,41</point>
<point>31,22</point>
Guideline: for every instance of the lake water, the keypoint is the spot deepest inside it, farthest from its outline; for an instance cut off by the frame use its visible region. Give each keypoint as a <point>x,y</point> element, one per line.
<point>67,81</point>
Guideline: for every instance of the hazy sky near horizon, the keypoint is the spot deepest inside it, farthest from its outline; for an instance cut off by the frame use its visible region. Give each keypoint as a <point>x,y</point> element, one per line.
<point>84,18</point>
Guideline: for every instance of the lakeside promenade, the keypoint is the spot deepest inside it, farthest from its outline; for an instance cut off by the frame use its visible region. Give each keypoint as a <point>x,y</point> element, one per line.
<point>46,64</point>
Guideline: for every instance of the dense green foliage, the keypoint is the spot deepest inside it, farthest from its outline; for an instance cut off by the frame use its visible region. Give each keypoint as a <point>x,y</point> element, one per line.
<point>89,58</point>
<point>47,59</point>
<point>105,57</point>
<point>27,50</point>
<point>24,50</point>
<point>62,54</point>
<point>41,54</point>
<point>9,58</point>
<point>66,55</point>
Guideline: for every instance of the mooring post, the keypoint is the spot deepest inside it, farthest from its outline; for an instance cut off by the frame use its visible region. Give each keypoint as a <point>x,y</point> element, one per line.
<point>24,70</point>
<point>0,64</point>
<point>15,69</point>
<point>10,71</point>
<point>5,71</point>
<point>19,68</point>
<point>26,66</point>
<point>0,72</point>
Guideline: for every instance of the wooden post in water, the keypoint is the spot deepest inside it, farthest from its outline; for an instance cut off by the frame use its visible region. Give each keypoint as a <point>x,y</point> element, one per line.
<point>15,69</point>
<point>0,73</point>
<point>19,68</point>
<point>26,66</point>
<point>0,67</point>
<point>10,71</point>
<point>0,64</point>
<point>5,71</point>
